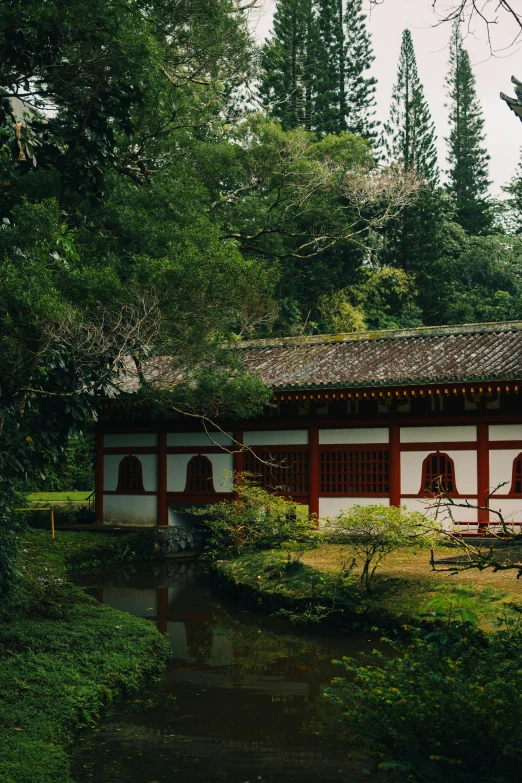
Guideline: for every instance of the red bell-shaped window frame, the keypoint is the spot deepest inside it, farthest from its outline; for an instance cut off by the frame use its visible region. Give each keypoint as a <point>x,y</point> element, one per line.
<point>130,476</point>
<point>438,474</point>
<point>516,481</point>
<point>199,476</point>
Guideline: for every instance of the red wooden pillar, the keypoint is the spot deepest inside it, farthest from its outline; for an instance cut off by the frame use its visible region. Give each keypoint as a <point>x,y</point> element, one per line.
<point>395,465</point>
<point>482,473</point>
<point>163,509</point>
<point>98,478</point>
<point>314,474</point>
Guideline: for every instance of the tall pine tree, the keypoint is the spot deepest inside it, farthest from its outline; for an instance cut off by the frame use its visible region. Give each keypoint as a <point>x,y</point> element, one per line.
<point>468,159</point>
<point>513,203</point>
<point>412,241</point>
<point>289,61</point>
<point>409,135</point>
<point>314,67</point>
<point>360,87</point>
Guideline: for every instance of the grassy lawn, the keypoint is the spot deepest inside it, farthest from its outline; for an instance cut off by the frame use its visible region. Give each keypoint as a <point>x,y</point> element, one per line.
<point>63,656</point>
<point>402,586</point>
<point>58,497</point>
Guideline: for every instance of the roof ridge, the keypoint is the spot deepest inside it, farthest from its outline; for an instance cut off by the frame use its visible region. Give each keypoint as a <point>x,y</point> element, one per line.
<point>384,334</point>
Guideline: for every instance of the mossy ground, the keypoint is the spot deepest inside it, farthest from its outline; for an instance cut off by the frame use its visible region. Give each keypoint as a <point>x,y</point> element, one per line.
<point>402,586</point>
<point>63,656</point>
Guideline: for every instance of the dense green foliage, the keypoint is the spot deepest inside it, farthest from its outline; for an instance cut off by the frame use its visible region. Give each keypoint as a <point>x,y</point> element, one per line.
<point>413,711</point>
<point>63,658</point>
<point>254,519</point>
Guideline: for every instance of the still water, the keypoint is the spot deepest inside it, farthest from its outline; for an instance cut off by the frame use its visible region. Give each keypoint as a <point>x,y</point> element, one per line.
<point>241,701</point>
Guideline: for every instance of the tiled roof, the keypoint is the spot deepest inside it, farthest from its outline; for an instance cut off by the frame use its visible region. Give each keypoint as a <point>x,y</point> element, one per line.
<point>427,355</point>
<point>472,352</point>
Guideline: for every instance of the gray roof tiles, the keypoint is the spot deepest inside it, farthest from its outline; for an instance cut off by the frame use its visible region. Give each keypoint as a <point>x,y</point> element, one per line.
<point>428,355</point>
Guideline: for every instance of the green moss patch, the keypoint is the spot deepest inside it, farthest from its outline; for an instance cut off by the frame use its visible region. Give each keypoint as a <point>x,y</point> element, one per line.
<point>63,657</point>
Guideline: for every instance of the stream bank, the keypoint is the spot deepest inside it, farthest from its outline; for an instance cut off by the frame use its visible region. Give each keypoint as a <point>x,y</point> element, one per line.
<point>64,656</point>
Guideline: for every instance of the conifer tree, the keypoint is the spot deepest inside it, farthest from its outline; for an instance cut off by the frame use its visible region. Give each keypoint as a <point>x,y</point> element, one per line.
<point>289,61</point>
<point>412,241</point>
<point>330,71</point>
<point>467,158</point>
<point>409,135</point>
<point>360,87</point>
<point>314,67</point>
<point>514,201</point>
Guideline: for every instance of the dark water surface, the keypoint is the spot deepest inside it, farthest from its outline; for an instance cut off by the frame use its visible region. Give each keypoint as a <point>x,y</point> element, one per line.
<point>241,701</point>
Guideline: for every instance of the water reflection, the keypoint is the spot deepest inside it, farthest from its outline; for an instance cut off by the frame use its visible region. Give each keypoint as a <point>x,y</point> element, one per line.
<point>242,699</point>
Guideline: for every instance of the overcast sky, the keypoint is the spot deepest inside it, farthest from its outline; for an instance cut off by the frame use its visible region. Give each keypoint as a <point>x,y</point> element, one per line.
<point>387,21</point>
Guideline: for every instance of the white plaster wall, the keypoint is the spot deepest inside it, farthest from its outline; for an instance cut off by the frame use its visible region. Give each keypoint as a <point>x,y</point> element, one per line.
<point>110,471</point>
<point>275,437</point>
<point>177,471</point>
<point>459,514</point>
<point>222,467</point>
<point>330,507</point>
<point>438,434</point>
<point>511,509</point>
<point>465,470</point>
<point>133,439</point>
<point>149,464</point>
<point>362,435</point>
<point>505,431</point>
<point>501,468</point>
<point>130,509</point>
<point>142,603</point>
<point>199,439</point>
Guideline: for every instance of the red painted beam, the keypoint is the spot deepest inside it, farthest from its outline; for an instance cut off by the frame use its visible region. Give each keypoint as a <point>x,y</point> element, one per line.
<point>482,473</point>
<point>98,478</point>
<point>395,465</point>
<point>163,508</point>
<point>314,474</point>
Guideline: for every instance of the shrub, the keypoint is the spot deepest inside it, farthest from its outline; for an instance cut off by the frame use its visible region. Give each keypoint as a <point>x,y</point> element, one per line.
<point>254,519</point>
<point>376,531</point>
<point>448,709</point>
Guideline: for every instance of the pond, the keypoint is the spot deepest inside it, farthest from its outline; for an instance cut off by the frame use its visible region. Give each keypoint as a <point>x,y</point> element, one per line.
<point>242,698</point>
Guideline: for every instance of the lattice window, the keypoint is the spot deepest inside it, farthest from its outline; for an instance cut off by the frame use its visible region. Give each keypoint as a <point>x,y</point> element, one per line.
<point>199,475</point>
<point>130,475</point>
<point>284,472</point>
<point>516,484</point>
<point>354,473</point>
<point>438,473</point>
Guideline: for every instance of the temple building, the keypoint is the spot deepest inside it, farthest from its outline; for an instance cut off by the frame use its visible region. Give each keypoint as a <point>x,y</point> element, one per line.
<point>362,418</point>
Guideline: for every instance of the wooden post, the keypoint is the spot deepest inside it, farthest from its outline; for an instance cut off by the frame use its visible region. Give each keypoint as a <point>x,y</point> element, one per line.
<point>395,465</point>
<point>163,508</point>
<point>314,474</point>
<point>482,474</point>
<point>98,479</point>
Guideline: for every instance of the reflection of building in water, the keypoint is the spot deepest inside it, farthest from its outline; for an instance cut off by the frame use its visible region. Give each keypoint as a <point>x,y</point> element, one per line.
<point>214,653</point>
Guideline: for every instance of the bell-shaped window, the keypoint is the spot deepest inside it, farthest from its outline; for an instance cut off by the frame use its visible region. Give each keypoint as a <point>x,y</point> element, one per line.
<point>438,474</point>
<point>130,475</point>
<point>516,483</point>
<point>199,475</point>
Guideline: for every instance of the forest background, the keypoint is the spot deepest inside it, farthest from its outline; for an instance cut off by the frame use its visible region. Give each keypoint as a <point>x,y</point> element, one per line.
<point>169,187</point>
